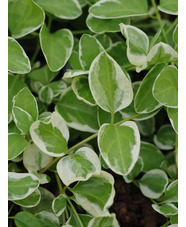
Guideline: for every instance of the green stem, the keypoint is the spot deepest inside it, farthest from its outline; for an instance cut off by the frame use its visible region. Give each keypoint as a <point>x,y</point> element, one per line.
<point>150,25</point>
<point>153,201</point>
<point>79,32</point>
<point>85,141</point>
<point>63,218</point>
<point>166,224</point>
<point>159,19</point>
<point>172,26</point>
<point>35,53</point>
<point>75,212</point>
<point>66,213</point>
<point>59,183</point>
<point>11,217</point>
<point>49,22</point>
<point>112,118</point>
<point>10,209</point>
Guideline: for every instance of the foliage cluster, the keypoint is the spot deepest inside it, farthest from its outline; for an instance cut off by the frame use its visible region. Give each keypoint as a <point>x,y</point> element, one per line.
<point>93,90</point>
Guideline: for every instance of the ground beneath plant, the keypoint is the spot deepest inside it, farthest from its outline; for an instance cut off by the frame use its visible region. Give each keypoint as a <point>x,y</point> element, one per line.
<point>132,209</point>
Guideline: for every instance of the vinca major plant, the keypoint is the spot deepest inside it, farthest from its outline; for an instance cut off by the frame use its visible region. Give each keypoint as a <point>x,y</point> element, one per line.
<point>92,94</point>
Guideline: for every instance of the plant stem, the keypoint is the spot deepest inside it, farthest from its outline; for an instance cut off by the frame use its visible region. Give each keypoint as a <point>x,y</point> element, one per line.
<point>112,118</point>
<point>63,218</point>
<point>75,212</point>
<point>166,224</point>
<point>159,19</point>
<point>85,141</point>
<point>35,53</point>
<point>10,209</point>
<point>11,217</point>
<point>59,183</point>
<point>49,22</point>
<point>172,26</point>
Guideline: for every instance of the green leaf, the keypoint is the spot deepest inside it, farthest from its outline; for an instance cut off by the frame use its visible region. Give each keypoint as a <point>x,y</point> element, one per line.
<point>46,95</point>
<point>51,137</point>
<point>105,40</point>
<point>26,219</point>
<point>96,194</point>
<point>153,183</point>
<point>89,48</point>
<point>105,221</point>
<point>66,9</point>
<point>74,60</point>
<point>79,166</point>
<point>175,34</point>
<point>151,155</point>
<point>48,219</point>
<point>21,185</point>
<point>124,140</point>
<point>105,117</point>
<point>43,75</point>
<point>81,88</point>
<point>165,209</point>
<point>59,204</point>
<point>173,117</point>
<point>24,17</point>
<point>12,128</point>
<point>146,127</point>
<point>165,138</point>
<point>16,145</point>
<point>171,193</point>
<point>56,47</point>
<point>165,88</point>
<point>57,87</point>
<point>169,7</point>
<point>76,113</point>
<point>73,73</point>
<point>109,85</point>
<point>97,25</point>
<point>45,203</point>
<point>118,8</point>
<point>83,2</point>
<point>130,111</point>
<point>24,110</point>
<point>160,53</point>
<point>72,221</point>
<point>14,86</point>
<point>30,201</point>
<point>138,167</point>
<point>34,159</point>
<point>144,102</point>
<point>45,116</point>
<point>137,44</point>
<point>18,61</point>
<point>174,220</point>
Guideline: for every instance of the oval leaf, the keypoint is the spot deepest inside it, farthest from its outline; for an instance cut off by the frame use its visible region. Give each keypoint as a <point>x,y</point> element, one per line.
<point>16,145</point>
<point>33,17</point>
<point>171,193</point>
<point>109,85</point>
<point>153,183</point>
<point>166,209</point>
<point>56,47</point>
<point>137,44</point>
<point>26,219</point>
<point>165,88</point>
<point>51,137</point>
<point>76,113</point>
<point>97,25</point>
<point>24,110</point>
<point>94,201</point>
<point>66,9</point>
<point>151,155</point>
<point>119,146</point>
<point>89,48</point>
<point>18,61</point>
<point>169,7</point>
<point>79,166</point>
<point>173,117</point>
<point>81,88</point>
<point>118,8</point>
<point>21,185</point>
<point>144,102</point>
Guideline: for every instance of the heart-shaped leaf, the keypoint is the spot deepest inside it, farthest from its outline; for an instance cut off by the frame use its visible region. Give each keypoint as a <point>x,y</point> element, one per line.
<point>56,47</point>
<point>59,204</point>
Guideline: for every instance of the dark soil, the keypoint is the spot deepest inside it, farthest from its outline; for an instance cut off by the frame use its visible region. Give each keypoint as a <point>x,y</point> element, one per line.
<point>132,209</point>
